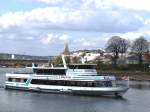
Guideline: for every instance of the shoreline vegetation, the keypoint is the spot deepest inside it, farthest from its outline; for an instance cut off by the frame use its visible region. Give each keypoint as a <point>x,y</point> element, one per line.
<point>132,75</point>
<point>133,72</point>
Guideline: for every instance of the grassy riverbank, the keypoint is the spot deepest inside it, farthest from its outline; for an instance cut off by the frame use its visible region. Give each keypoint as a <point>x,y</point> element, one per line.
<point>133,75</point>
<point>134,71</point>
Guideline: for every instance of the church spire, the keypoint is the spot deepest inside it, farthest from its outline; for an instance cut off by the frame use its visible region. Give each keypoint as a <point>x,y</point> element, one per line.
<point>66,50</point>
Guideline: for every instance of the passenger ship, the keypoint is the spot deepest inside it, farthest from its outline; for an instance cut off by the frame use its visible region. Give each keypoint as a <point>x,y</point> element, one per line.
<point>80,79</point>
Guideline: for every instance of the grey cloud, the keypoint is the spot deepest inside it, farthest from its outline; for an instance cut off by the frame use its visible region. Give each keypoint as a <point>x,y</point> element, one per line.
<point>97,21</point>
<point>25,37</point>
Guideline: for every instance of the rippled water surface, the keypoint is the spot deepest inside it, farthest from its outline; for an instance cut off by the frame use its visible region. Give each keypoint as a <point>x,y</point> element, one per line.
<point>137,99</point>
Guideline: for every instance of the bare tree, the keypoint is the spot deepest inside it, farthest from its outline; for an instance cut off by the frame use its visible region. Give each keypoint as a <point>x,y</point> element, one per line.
<point>139,47</point>
<point>116,45</point>
<point>124,45</point>
<point>112,47</point>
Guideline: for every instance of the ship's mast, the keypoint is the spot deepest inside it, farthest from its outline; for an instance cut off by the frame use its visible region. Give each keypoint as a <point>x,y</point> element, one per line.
<point>64,61</point>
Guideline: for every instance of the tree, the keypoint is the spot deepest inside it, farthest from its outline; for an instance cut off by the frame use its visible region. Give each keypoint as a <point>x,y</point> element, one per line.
<point>116,45</point>
<point>57,60</point>
<point>75,59</point>
<point>124,45</point>
<point>68,59</point>
<point>140,47</point>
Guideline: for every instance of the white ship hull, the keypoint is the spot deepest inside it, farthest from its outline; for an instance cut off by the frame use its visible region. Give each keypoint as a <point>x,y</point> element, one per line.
<point>91,91</point>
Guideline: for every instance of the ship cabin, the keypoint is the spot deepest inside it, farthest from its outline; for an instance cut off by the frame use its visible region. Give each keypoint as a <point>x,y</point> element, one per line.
<point>16,78</point>
<point>80,75</point>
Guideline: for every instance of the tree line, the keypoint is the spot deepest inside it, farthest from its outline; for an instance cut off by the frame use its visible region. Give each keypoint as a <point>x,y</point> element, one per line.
<point>117,45</point>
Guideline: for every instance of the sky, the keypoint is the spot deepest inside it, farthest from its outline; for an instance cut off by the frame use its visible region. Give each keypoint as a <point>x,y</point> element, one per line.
<point>42,27</point>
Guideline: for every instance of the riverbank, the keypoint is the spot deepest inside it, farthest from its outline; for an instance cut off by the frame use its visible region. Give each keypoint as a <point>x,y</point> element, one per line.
<point>133,75</point>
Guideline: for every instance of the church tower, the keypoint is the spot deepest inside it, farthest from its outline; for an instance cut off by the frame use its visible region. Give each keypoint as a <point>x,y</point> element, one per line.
<point>66,50</point>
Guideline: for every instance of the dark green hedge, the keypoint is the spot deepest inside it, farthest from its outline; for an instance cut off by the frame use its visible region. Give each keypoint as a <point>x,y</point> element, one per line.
<point>129,67</point>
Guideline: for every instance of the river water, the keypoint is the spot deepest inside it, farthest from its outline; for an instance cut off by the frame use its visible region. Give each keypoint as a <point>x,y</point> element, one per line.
<point>137,99</point>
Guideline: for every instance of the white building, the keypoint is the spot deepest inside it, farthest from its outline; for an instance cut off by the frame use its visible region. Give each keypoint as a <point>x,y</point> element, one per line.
<point>91,56</point>
<point>12,56</point>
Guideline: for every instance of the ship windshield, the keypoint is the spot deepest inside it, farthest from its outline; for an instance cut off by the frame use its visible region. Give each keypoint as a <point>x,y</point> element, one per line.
<point>82,66</point>
<point>49,71</point>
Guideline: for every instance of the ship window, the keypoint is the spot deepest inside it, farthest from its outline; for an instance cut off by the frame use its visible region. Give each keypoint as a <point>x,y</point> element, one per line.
<point>22,80</point>
<point>89,84</point>
<point>13,80</point>
<point>25,80</point>
<point>17,80</point>
<point>10,79</point>
<point>108,83</point>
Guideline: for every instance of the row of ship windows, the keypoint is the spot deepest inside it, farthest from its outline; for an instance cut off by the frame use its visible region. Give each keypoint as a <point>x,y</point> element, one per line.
<point>72,83</point>
<point>64,82</point>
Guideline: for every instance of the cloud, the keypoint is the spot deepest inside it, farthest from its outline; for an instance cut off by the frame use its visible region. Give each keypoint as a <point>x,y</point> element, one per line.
<point>133,4</point>
<point>52,38</point>
<point>83,23</point>
<point>50,2</point>
<point>94,42</point>
<point>107,4</point>
<point>49,39</point>
<point>81,19</point>
<point>143,31</point>
<point>62,3</point>
<point>64,37</point>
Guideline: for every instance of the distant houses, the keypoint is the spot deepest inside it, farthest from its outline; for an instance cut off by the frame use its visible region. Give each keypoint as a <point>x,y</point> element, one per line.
<point>94,55</point>
<point>89,55</point>
<point>128,58</point>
